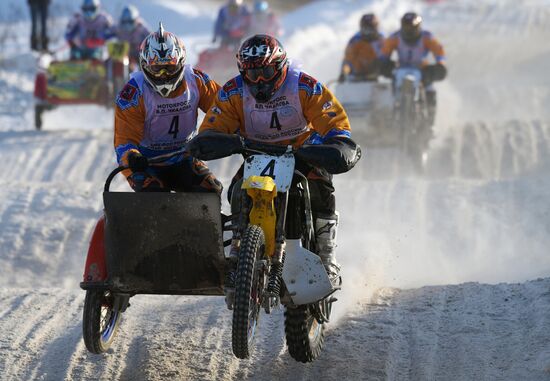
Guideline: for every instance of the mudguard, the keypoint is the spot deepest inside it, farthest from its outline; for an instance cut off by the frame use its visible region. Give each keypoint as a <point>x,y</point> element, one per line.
<point>304,275</point>
<point>96,268</point>
<point>164,243</point>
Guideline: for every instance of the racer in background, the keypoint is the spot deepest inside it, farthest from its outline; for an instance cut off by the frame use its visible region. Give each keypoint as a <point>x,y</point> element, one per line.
<point>232,24</point>
<point>156,113</point>
<point>272,101</point>
<point>413,45</point>
<point>87,31</point>
<point>361,57</point>
<point>264,21</point>
<point>132,29</point>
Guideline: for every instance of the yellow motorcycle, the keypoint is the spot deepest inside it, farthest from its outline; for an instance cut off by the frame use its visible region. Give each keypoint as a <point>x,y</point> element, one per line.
<point>275,259</point>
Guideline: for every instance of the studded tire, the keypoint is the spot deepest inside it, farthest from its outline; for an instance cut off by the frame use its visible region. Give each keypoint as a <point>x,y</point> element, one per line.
<point>305,337</point>
<point>246,310</point>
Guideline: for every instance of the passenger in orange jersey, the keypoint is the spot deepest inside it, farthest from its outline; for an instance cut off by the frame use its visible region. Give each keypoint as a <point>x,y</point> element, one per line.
<point>156,114</point>
<point>363,50</point>
<point>413,45</point>
<point>272,101</point>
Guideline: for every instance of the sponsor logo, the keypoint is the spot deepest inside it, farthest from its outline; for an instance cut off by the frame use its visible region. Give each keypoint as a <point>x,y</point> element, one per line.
<point>256,51</point>
<point>327,105</point>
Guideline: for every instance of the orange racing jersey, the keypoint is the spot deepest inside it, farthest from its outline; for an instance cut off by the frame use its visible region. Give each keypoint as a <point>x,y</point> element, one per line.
<point>302,110</point>
<point>416,54</point>
<point>158,126</point>
<point>360,54</point>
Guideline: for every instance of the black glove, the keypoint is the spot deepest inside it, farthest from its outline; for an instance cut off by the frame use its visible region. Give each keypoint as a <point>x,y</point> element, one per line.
<point>336,155</point>
<point>432,73</point>
<point>137,162</point>
<point>211,145</point>
<point>386,68</point>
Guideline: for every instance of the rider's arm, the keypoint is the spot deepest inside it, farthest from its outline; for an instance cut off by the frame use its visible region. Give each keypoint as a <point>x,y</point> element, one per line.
<point>436,48</point>
<point>389,45</point>
<point>72,28</point>
<point>208,89</point>
<point>322,110</point>
<point>129,123</point>
<point>226,114</point>
<point>109,30</point>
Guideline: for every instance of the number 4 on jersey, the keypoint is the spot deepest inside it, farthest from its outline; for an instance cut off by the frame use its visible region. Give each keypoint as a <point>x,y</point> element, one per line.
<point>275,121</point>
<point>175,126</point>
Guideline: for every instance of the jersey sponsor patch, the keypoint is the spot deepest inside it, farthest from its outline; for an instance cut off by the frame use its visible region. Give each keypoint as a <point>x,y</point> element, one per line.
<point>233,87</point>
<point>310,85</point>
<point>129,95</point>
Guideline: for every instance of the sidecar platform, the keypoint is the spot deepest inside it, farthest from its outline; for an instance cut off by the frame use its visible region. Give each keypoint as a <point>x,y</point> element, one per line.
<point>164,243</point>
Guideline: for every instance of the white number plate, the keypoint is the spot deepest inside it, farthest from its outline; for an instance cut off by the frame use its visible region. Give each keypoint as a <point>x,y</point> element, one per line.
<point>279,168</point>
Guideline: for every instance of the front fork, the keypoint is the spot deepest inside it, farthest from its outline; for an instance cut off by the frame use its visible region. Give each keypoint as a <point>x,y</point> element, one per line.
<point>262,206</point>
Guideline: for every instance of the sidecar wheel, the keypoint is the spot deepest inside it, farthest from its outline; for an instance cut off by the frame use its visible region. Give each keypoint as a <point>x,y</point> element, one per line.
<point>305,336</point>
<point>248,292</point>
<point>100,322</point>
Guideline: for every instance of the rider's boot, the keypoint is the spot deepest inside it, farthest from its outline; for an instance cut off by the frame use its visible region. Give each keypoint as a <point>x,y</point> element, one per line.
<point>431,102</point>
<point>325,233</point>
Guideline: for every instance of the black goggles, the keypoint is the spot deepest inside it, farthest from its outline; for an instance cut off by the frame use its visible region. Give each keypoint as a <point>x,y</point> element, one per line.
<point>266,74</point>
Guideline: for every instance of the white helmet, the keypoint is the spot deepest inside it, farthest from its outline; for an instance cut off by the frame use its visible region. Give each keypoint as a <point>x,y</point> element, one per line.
<point>161,58</point>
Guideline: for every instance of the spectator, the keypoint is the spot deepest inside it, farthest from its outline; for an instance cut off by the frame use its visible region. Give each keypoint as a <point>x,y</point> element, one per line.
<point>39,14</point>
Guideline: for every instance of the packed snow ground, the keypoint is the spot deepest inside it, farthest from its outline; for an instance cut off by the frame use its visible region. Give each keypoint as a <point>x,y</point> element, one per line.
<point>479,215</point>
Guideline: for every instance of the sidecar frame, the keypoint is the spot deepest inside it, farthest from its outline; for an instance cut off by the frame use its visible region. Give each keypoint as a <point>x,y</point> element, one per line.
<point>158,243</point>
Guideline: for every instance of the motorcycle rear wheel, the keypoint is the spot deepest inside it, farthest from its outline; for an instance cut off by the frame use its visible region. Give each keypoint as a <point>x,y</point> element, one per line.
<point>248,292</point>
<point>305,336</point>
<point>100,321</point>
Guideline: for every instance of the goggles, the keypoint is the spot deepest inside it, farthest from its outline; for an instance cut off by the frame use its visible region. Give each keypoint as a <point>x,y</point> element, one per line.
<point>89,10</point>
<point>266,74</point>
<point>163,71</point>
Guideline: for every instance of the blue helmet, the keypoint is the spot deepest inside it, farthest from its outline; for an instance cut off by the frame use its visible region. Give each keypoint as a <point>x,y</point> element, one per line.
<point>261,6</point>
<point>90,9</point>
<point>128,17</point>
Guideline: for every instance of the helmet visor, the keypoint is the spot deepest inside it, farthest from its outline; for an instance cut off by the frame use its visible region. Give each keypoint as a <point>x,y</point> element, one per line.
<point>266,74</point>
<point>89,11</point>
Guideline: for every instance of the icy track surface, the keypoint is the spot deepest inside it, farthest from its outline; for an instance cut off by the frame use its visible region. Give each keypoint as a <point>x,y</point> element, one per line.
<point>476,225</point>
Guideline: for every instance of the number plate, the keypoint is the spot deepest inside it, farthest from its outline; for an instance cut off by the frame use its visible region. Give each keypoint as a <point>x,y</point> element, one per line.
<point>279,168</point>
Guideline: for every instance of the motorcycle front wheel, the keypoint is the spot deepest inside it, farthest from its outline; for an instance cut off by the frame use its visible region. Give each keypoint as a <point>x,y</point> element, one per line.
<point>100,321</point>
<point>248,292</point>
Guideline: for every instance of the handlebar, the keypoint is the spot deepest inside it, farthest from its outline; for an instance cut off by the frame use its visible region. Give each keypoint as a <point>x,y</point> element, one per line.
<point>252,147</point>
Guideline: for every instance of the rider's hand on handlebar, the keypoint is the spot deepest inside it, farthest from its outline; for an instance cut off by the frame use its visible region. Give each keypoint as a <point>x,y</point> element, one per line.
<point>137,162</point>
<point>212,145</point>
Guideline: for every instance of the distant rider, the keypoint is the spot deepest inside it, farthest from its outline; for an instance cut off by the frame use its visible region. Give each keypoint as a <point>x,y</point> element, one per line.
<point>132,29</point>
<point>413,46</point>
<point>363,50</point>
<point>156,113</point>
<point>87,31</point>
<point>272,101</point>
<point>232,23</point>
<point>264,21</point>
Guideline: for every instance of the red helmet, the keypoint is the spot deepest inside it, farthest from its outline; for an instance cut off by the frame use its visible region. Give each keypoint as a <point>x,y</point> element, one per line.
<point>263,65</point>
<point>368,26</point>
<point>411,27</point>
